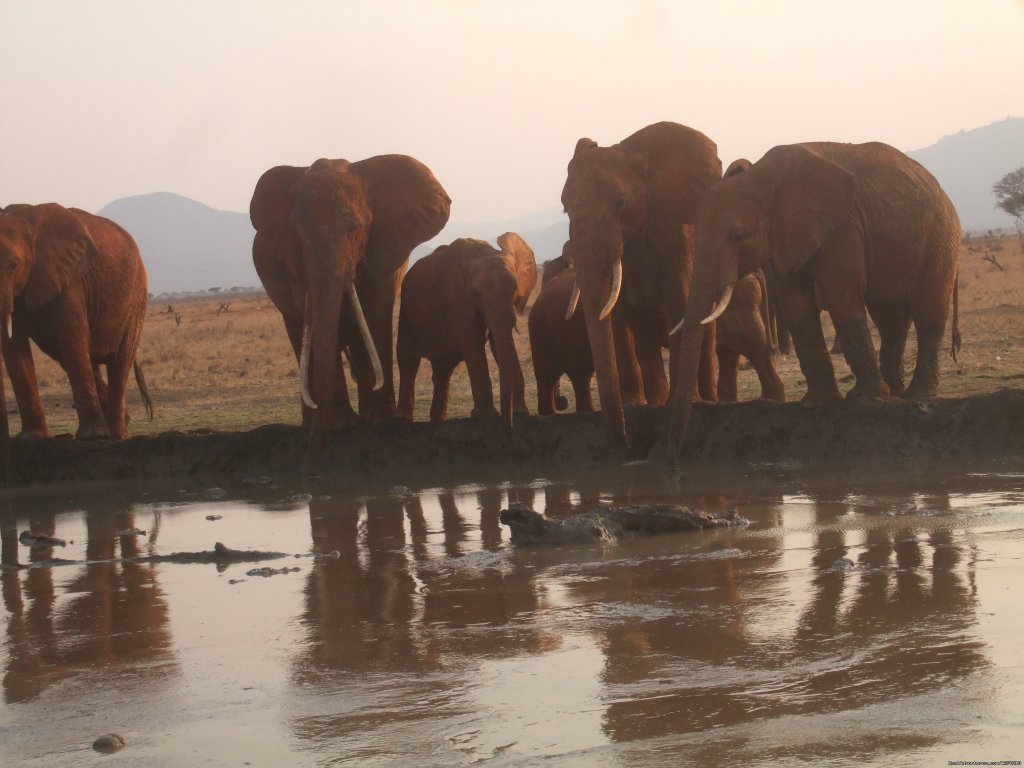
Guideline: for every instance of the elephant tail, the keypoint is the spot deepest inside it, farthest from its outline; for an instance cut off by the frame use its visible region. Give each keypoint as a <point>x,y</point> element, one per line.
<point>147,401</point>
<point>957,342</point>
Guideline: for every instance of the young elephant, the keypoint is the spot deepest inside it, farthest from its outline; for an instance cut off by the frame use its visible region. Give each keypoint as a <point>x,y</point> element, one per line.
<point>559,345</point>
<point>743,330</point>
<point>74,284</point>
<point>454,300</point>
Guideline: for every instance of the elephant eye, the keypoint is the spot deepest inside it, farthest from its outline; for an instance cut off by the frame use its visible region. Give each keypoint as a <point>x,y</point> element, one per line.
<point>620,203</point>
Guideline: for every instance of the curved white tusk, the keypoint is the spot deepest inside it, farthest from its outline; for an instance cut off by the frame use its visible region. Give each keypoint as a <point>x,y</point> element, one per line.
<point>678,328</point>
<point>9,327</point>
<point>616,287</point>
<point>723,302</point>
<point>364,331</point>
<point>307,341</point>
<point>574,299</point>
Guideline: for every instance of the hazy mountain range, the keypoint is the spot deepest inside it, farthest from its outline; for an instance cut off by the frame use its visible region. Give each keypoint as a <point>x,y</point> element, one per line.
<point>188,246</point>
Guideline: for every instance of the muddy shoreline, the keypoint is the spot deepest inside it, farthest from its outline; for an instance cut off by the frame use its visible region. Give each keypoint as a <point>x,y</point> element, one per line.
<point>862,434</point>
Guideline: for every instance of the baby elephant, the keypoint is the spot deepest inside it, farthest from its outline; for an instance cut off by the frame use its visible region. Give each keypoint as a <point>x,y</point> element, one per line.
<point>454,301</point>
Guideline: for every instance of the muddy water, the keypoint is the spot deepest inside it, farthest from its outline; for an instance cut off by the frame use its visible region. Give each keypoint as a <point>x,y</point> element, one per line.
<point>869,622</point>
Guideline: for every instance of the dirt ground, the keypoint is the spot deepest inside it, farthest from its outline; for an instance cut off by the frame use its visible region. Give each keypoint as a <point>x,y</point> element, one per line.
<point>219,366</point>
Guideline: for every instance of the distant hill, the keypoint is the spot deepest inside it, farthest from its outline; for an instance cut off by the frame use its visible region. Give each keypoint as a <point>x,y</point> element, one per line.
<point>968,163</point>
<point>187,246</point>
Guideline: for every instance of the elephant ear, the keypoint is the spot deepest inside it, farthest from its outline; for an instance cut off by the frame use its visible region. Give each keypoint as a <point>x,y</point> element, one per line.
<point>272,200</point>
<point>62,248</point>
<point>523,264</point>
<point>409,207</point>
<point>813,197</point>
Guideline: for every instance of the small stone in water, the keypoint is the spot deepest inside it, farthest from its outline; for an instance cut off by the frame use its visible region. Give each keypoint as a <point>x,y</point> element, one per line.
<point>108,743</point>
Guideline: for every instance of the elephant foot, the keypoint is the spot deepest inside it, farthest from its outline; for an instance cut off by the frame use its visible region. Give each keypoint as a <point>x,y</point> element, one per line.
<point>875,391</point>
<point>92,434</point>
<point>33,434</point>
<point>819,399</point>
<point>920,392</point>
<point>483,412</point>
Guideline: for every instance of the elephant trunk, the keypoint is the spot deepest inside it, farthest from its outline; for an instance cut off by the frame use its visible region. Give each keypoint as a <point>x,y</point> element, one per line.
<point>709,296</point>
<point>512,385</point>
<point>598,249</point>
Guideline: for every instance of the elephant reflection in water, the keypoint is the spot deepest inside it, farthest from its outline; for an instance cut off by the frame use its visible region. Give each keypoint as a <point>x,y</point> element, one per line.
<point>114,613</point>
<point>376,605</point>
<point>894,588</point>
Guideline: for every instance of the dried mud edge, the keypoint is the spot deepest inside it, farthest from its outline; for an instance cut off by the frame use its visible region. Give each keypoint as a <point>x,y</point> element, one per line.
<point>859,433</point>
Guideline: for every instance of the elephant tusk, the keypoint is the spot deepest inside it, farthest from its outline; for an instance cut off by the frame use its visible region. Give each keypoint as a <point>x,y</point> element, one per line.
<point>364,331</point>
<point>9,328</point>
<point>616,287</point>
<point>723,302</point>
<point>574,299</point>
<point>678,328</point>
<point>307,342</point>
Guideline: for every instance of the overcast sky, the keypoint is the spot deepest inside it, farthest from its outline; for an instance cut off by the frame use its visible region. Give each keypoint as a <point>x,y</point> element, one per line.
<point>104,99</point>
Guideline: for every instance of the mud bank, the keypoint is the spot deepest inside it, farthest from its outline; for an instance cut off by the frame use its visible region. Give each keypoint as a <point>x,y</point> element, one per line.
<point>850,433</point>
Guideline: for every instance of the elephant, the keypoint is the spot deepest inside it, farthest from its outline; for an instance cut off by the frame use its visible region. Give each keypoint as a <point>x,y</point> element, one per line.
<point>74,283</point>
<point>743,330</point>
<point>627,205</point>
<point>453,300</point>
<point>332,242</point>
<point>863,224</point>
<point>559,345</point>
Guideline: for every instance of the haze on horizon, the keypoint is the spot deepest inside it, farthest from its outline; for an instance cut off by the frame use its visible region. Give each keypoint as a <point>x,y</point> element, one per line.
<point>113,98</point>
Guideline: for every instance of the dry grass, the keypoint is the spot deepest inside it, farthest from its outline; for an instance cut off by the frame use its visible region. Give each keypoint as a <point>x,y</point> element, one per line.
<point>234,369</point>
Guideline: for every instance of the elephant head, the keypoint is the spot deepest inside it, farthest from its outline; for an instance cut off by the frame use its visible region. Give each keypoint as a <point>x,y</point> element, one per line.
<point>498,284</point>
<point>626,205</point>
<point>777,213</point>
<point>321,231</point>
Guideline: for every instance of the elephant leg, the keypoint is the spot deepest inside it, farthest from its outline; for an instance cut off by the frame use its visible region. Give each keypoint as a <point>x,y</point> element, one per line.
<point>22,371</point>
<point>859,351</point>
<point>728,374</point>
<point>547,387</point>
<point>408,366</point>
<point>74,356</point>
<point>581,391</point>
<point>442,377</point>
<point>117,384</point>
<point>377,299</point>
<point>772,387</point>
<point>630,376</point>
<point>707,373</point>
<point>925,381</point>
<point>648,333</point>
<point>893,324</point>
<point>101,386</point>
<point>800,309</point>
<point>480,381</point>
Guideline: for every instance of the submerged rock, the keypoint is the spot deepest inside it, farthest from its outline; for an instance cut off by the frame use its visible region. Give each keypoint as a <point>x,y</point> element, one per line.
<point>607,525</point>
<point>109,743</point>
<point>40,540</point>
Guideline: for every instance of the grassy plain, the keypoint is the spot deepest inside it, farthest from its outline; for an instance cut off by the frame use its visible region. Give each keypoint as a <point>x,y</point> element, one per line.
<point>214,368</point>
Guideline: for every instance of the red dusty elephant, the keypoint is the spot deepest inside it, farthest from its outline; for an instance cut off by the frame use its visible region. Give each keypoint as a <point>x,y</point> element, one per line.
<point>73,283</point>
<point>559,345</point>
<point>627,205</point>
<point>454,300</point>
<point>332,241</point>
<point>866,227</point>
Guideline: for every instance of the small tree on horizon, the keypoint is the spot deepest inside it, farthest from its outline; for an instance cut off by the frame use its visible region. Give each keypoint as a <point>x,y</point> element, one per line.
<point>1009,192</point>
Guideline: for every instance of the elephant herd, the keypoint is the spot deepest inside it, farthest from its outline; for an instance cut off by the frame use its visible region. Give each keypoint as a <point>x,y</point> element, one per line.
<point>663,252</point>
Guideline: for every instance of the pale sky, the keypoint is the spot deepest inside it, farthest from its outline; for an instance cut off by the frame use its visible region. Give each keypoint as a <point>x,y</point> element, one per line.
<point>109,98</point>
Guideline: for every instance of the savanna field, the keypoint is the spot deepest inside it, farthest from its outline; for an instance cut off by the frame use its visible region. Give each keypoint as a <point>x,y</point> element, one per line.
<point>223,362</point>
